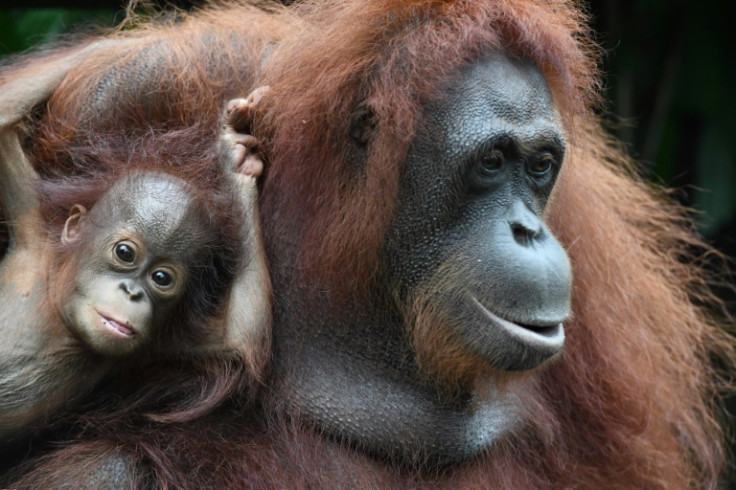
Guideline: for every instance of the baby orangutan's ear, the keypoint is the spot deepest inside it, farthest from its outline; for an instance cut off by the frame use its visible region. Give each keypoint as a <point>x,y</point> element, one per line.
<point>73,225</point>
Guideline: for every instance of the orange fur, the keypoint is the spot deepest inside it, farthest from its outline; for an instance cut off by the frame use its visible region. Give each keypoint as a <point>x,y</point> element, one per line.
<point>629,404</point>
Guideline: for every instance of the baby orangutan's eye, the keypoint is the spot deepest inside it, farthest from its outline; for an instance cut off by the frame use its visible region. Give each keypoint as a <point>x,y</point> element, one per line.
<point>162,278</point>
<point>125,253</point>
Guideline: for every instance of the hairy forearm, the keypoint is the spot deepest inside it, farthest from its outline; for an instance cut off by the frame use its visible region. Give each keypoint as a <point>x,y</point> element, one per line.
<point>33,82</point>
<point>21,89</point>
<point>254,275</point>
<point>249,309</point>
<point>18,198</point>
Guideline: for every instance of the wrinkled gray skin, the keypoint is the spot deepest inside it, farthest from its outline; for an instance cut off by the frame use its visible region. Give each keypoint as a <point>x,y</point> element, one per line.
<point>353,372</point>
<point>486,222</point>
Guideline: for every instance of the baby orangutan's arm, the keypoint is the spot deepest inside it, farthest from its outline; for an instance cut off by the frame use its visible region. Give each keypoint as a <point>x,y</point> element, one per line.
<point>248,318</point>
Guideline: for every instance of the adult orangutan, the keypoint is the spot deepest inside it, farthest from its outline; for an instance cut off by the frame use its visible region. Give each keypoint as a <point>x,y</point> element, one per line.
<point>471,287</point>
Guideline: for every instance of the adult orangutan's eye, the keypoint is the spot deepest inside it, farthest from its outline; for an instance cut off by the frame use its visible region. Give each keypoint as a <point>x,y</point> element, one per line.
<point>491,162</point>
<point>541,166</point>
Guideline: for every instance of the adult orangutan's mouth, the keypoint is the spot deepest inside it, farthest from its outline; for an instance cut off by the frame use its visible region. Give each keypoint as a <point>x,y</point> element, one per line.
<point>548,337</point>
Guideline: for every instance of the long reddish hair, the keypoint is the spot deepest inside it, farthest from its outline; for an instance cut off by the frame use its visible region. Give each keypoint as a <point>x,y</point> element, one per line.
<point>631,401</point>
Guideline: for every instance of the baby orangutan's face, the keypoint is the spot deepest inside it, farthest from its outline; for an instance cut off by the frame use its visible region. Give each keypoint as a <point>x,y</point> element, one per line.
<point>140,237</point>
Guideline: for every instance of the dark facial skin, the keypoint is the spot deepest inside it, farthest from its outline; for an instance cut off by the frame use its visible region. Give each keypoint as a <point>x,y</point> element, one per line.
<point>483,168</point>
<point>134,271</point>
<point>468,240</point>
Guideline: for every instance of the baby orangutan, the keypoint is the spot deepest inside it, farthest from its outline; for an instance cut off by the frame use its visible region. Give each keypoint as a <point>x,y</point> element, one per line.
<point>121,279</point>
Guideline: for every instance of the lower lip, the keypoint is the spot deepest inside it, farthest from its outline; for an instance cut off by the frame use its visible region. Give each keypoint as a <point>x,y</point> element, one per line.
<point>548,336</point>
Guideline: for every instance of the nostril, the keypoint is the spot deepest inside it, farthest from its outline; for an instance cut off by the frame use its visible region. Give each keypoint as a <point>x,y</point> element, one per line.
<point>523,235</point>
<point>525,225</point>
<point>133,291</point>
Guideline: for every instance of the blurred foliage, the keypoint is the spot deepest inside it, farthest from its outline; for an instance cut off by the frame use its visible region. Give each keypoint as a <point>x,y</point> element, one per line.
<point>21,29</point>
<point>670,67</point>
